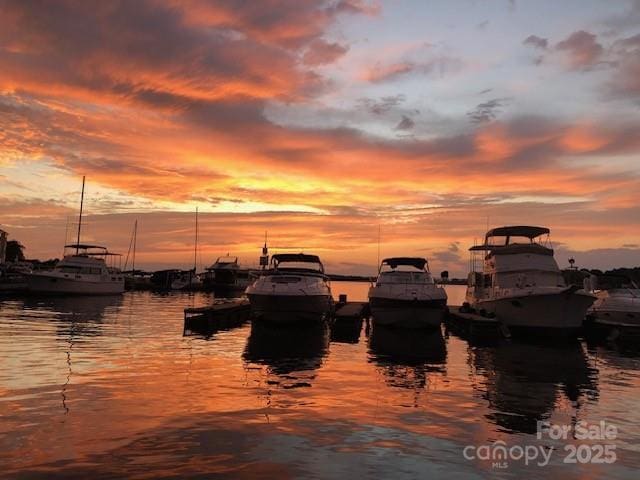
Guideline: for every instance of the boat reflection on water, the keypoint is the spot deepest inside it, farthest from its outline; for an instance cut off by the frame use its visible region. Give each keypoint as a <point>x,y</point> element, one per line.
<point>291,353</point>
<point>408,357</point>
<point>525,383</point>
<point>77,309</point>
<point>346,331</point>
<point>78,319</point>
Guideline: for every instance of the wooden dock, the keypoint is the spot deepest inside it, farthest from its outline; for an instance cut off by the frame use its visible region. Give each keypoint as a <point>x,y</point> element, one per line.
<point>351,311</point>
<point>219,316</point>
<point>472,324</point>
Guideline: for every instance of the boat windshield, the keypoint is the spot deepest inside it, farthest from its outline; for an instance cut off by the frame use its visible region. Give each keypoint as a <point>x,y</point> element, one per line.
<point>399,276</point>
<point>298,262</point>
<point>299,266</point>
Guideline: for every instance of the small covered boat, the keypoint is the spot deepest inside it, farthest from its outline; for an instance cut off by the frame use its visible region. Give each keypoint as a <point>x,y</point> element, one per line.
<point>294,291</point>
<point>405,295</point>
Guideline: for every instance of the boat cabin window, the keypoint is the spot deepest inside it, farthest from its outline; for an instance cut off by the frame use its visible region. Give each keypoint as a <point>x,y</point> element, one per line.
<point>514,239</point>
<point>533,278</point>
<point>69,269</point>
<point>285,279</point>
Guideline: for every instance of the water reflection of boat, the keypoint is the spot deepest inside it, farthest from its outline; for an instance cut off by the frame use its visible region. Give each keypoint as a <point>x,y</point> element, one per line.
<point>89,309</point>
<point>346,331</point>
<point>287,350</point>
<point>524,382</point>
<point>407,357</point>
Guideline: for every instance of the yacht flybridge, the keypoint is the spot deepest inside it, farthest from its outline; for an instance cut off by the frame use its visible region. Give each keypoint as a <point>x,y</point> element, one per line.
<point>521,284</point>
<point>83,272</point>
<point>294,290</point>
<point>405,295</point>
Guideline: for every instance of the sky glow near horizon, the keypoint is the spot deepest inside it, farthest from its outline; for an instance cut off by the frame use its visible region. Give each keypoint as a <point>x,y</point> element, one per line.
<point>319,122</point>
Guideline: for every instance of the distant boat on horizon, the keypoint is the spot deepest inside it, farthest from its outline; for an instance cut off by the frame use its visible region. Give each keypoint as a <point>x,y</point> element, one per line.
<point>226,278</point>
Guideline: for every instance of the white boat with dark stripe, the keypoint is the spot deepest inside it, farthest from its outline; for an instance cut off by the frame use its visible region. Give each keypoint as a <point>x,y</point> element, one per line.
<point>405,295</point>
<point>521,284</point>
<point>294,291</point>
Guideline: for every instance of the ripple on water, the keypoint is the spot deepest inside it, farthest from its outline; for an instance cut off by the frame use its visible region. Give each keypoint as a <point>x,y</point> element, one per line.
<point>111,387</point>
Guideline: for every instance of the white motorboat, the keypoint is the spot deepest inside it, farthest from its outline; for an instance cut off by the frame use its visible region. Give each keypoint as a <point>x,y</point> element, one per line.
<point>405,295</point>
<point>522,285</point>
<point>294,290</point>
<point>83,272</point>
<point>617,302</point>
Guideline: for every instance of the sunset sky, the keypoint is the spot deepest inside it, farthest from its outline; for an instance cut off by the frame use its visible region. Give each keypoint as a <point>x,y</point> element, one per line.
<point>322,122</point>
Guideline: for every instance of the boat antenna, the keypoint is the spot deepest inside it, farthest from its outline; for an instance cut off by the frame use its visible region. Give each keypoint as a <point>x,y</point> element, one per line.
<point>264,258</point>
<point>80,217</point>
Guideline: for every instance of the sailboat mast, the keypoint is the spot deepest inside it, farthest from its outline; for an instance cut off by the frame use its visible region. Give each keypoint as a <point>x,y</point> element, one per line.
<point>135,239</point>
<point>80,217</point>
<point>195,249</point>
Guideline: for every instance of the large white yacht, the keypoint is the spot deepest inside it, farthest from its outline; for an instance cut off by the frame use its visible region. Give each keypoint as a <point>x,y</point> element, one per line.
<point>522,285</point>
<point>294,290</point>
<point>405,295</point>
<point>83,272</point>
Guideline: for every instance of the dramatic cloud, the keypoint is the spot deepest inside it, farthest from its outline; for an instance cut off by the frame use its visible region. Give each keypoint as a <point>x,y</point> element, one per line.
<point>537,42</point>
<point>440,65</point>
<point>625,81</point>
<point>487,111</point>
<point>321,53</point>
<point>581,48</point>
<point>405,124</point>
<point>383,105</point>
<point>287,117</point>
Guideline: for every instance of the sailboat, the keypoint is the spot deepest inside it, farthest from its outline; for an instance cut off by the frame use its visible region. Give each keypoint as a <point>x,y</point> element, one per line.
<point>85,271</point>
<point>189,280</point>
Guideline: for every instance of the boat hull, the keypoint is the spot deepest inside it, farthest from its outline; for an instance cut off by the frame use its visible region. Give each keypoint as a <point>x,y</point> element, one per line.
<point>407,313</point>
<point>559,313</point>
<point>291,309</point>
<point>55,285</point>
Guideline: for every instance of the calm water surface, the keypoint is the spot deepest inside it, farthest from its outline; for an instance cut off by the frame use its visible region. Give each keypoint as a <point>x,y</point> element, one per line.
<point>112,388</point>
